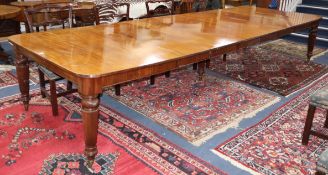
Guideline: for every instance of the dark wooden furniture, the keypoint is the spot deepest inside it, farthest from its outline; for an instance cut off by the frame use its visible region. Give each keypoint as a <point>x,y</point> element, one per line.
<point>42,16</point>
<point>105,56</point>
<point>160,10</point>
<point>48,14</point>
<point>320,100</point>
<point>234,2</point>
<point>186,6</point>
<point>263,3</point>
<point>32,4</point>
<point>84,16</point>
<point>6,26</point>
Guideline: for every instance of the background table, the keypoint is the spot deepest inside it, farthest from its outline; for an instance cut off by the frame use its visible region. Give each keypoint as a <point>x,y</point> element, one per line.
<point>7,12</point>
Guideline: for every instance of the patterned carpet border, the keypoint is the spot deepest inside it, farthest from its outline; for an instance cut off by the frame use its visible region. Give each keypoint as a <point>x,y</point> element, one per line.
<point>206,167</point>
<point>7,79</point>
<point>265,123</point>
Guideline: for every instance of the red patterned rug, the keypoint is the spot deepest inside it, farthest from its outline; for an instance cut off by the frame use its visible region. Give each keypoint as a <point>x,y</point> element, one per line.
<point>36,142</point>
<point>276,66</point>
<point>7,79</point>
<point>195,110</point>
<point>273,146</point>
<point>298,50</point>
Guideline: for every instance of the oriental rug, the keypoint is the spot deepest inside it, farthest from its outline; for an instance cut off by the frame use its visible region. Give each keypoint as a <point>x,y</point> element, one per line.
<point>34,73</point>
<point>7,79</point>
<point>195,110</point>
<point>273,146</point>
<point>291,48</point>
<point>35,142</point>
<point>274,66</point>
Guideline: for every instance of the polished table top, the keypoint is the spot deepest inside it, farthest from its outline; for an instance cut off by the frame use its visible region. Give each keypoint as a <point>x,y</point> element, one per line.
<point>106,49</point>
<point>8,11</point>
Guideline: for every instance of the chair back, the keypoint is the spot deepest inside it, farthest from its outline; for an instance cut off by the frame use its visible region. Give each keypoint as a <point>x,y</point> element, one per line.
<point>161,10</point>
<point>48,15</point>
<point>186,6</point>
<point>85,16</point>
<point>200,5</point>
<point>112,12</point>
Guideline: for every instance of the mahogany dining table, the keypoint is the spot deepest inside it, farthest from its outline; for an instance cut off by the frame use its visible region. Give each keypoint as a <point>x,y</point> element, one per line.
<point>95,57</point>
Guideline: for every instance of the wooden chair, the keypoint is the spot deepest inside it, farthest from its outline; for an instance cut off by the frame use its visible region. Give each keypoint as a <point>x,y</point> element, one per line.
<point>200,5</point>
<point>160,10</point>
<point>48,15</point>
<point>44,16</point>
<point>234,2</point>
<point>186,6</point>
<point>264,3</point>
<point>319,99</point>
<point>85,17</point>
<point>106,13</point>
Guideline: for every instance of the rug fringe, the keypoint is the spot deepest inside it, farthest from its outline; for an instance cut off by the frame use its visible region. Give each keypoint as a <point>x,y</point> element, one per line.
<point>7,67</point>
<point>235,163</point>
<point>234,124</point>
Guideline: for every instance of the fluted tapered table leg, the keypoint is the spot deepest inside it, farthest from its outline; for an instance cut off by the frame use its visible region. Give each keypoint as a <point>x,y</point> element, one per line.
<point>22,69</point>
<point>201,70</point>
<point>311,41</point>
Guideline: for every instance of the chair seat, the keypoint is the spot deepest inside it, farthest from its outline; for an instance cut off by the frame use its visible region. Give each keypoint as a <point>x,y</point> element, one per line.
<point>322,164</point>
<point>50,75</point>
<point>320,98</point>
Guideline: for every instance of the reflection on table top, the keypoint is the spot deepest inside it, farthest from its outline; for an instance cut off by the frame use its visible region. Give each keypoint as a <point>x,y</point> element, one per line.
<point>106,49</point>
<point>8,11</point>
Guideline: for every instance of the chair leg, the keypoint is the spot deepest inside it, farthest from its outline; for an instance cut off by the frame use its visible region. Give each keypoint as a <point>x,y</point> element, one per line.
<point>326,122</point>
<point>42,83</point>
<point>194,66</point>
<point>53,97</point>
<point>208,63</point>
<point>224,57</point>
<point>117,89</point>
<point>320,173</point>
<point>308,124</point>
<point>152,80</point>
<point>69,85</point>
<point>167,74</point>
